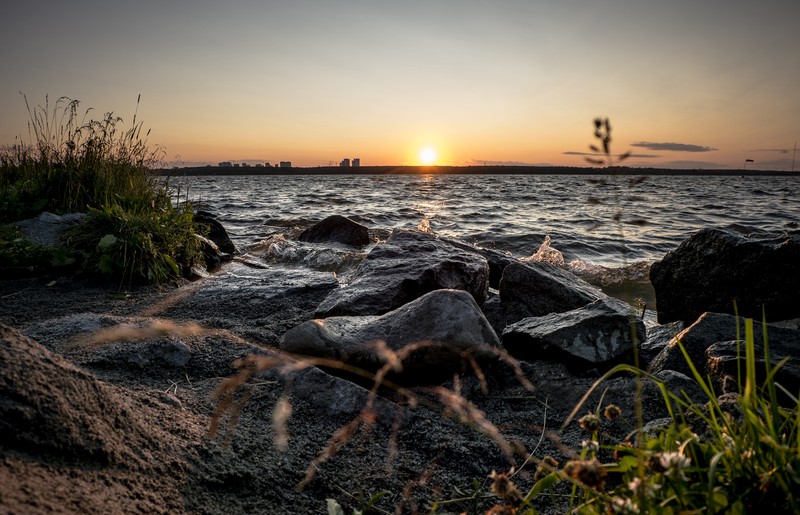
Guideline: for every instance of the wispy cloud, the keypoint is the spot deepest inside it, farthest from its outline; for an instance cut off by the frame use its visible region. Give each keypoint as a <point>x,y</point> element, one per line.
<point>692,165</point>
<point>778,150</point>
<point>673,147</point>
<point>592,154</point>
<point>485,162</point>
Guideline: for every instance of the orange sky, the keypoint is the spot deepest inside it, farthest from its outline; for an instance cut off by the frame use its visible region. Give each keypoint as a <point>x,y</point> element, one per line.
<point>686,84</point>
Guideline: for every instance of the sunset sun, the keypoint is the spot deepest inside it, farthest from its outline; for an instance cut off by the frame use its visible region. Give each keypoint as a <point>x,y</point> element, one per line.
<point>427,156</point>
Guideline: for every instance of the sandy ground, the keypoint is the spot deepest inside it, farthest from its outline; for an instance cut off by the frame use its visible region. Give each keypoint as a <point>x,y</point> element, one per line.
<point>123,426</point>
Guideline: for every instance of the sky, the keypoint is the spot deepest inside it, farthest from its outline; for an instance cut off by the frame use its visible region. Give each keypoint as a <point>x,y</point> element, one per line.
<point>685,83</point>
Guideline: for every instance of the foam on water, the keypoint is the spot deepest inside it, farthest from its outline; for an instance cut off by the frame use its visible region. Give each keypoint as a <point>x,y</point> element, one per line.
<point>324,258</point>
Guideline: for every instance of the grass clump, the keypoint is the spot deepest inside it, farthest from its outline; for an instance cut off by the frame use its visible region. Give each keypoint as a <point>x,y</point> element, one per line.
<point>74,163</point>
<point>734,455</point>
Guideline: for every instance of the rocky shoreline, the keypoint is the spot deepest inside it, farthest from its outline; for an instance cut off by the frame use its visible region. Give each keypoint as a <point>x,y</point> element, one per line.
<point>108,398</point>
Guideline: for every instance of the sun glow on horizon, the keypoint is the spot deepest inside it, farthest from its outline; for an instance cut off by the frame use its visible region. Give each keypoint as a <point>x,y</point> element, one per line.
<point>427,156</point>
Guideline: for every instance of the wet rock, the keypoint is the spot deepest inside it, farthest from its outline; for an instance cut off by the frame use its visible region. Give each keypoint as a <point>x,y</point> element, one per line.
<point>408,265</point>
<point>724,363</point>
<point>217,232</point>
<point>676,383</point>
<point>543,288</point>
<point>497,260</point>
<point>212,256</point>
<point>47,229</point>
<point>502,314</point>
<point>599,333</point>
<point>336,228</point>
<point>713,328</point>
<point>259,303</point>
<point>449,320</point>
<point>658,337</point>
<point>715,267</point>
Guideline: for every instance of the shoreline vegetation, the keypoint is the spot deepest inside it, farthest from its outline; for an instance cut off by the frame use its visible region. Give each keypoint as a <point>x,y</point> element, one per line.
<point>467,170</point>
<point>131,232</point>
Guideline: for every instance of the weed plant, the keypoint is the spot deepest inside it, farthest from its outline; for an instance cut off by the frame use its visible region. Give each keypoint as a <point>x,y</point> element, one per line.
<point>74,163</point>
<point>740,456</point>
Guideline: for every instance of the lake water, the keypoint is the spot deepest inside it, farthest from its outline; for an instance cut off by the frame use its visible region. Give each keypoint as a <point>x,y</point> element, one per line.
<point>606,223</point>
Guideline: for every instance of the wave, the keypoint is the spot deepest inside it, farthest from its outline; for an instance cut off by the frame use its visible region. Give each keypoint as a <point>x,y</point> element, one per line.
<point>321,257</point>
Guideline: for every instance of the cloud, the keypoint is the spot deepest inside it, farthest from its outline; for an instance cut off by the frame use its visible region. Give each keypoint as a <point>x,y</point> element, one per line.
<point>592,154</point>
<point>692,165</point>
<point>778,150</point>
<point>484,162</point>
<point>673,147</point>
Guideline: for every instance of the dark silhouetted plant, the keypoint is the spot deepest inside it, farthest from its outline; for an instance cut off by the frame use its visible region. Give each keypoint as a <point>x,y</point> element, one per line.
<point>602,131</point>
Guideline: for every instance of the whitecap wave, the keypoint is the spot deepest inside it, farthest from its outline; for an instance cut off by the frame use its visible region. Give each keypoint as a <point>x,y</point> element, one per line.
<point>546,254</point>
<point>321,257</point>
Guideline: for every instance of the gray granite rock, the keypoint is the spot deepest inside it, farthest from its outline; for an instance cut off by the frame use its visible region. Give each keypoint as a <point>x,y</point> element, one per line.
<point>658,337</point>
<point>449,319</point>
<point>498,261</point>
<point>336,228</point>
<point>598,333</point>
<point>717,328</point>
<point>715,267</point>
<point>408,265</point>
<point>543,288</point>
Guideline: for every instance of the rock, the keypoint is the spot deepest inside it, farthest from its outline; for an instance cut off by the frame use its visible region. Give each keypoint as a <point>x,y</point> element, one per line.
<point>599,333</point>
<point>722,362</point>
<point>450,319</point>
<point>543,288</point>
<point>498,261</point>
<point>332,396</point>
<point>336,228</point>
<point>713,328</point>
<point>715,267</point>
<point>408,265</point>
<point>502,314</point>
<point>658,337</point>
<point>682,385</point>
<point>212,256</point>
<point>216,233</point>
<point>49,406</point>
<point>48,228</point>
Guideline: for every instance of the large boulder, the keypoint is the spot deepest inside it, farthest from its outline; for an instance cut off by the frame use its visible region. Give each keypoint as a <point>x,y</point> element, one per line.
<point>450,321</point>
<point>408,265</point>
<point>336,228</point>
<point>542,288</point>
<point>717,328</point>
<point>715,267</point>
<point>596,334</point>
<point>498,261</point>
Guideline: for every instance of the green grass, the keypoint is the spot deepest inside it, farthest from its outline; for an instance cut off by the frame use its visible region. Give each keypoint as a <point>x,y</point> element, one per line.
<point>73,163</point>
<point>736,457</point>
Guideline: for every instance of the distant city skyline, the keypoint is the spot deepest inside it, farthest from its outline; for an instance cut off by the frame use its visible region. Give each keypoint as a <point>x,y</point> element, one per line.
<point>686,83</point>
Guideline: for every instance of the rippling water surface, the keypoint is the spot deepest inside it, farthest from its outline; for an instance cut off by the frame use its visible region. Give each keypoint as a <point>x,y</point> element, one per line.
<point>603,220</point>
